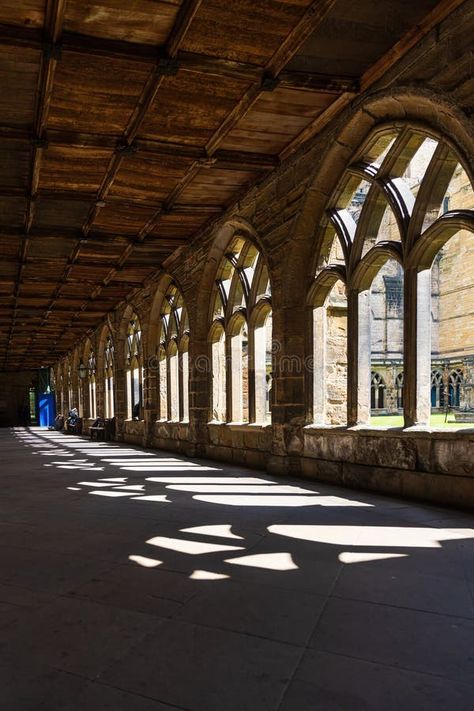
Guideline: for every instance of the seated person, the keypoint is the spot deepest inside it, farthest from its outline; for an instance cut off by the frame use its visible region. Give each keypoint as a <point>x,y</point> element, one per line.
<point>98,422</point>
<point>59,423</point>
<point>73,417</point>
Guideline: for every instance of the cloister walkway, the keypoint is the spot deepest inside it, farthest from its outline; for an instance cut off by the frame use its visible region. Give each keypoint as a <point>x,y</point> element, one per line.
<point>137,580</point>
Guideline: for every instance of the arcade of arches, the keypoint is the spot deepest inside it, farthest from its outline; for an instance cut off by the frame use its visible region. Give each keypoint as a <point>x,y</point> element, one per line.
<point>359,371</point>
<point>236,355</point>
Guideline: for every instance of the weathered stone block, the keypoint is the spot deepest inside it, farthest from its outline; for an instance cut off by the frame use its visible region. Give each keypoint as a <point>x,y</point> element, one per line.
<point>385,452</point>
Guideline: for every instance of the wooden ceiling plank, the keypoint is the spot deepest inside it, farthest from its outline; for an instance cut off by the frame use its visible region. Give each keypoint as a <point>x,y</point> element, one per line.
<point>184,18</point>
<point>147,148</point>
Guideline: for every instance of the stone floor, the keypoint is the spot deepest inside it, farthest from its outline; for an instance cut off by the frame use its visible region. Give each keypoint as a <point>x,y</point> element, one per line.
<point>135,580</point>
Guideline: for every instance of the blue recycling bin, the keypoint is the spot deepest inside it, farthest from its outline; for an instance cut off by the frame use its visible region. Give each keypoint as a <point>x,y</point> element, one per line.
<point>47,409</point>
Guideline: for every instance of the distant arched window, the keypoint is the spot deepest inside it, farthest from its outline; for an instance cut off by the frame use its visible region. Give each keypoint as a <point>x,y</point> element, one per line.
<point>377,391</point>
<point>91,371</point>
<point>240,337</point>
<point>109,376</point>
<point>173,357</point>
<point>399,389</point>
<point>134,368</point>
<point>455,383</point>
<point>437,389</point>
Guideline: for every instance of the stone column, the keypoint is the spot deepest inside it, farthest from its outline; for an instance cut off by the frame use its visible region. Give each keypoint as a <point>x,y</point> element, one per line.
<point>120,400</point>
<point>289,406</point>
<point>199,396</point>
<point>100,392</point>
<point>150,399</point>
<point>417,347</point>
<point>254,375</point>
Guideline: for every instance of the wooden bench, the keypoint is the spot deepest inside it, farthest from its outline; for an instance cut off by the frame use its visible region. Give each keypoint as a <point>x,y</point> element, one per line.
<point>104,429</point>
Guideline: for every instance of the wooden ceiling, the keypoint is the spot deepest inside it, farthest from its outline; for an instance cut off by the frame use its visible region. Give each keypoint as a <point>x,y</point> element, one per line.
<point>127,126</point>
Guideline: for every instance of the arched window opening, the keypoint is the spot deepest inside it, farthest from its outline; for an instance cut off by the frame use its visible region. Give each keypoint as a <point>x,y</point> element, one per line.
<point>416,169</point>
<point>173,357</point>
<point>240,337</point>
<point>163,383</point>
<point>184,377</point>
<point>173,380</point>
<point>357,200</point>
<point>452,311</point>
<point>134,371</point>
<point>109,377</point>
<point>91,371</point>
<point>263,375</point>
<point>239,369</point>
<point>218,374</point>
<point>379,224</point>
<point>386,336</point>
<point>330,356</point>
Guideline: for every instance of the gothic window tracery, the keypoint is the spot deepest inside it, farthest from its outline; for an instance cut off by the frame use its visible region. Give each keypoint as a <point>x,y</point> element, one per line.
<point>173,358</point>
<point>240,337</point>
<point>403,197</point>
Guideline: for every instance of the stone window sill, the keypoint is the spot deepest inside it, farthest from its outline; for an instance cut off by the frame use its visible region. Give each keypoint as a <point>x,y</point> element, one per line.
<point>248,426</point>
<point>379,430</point>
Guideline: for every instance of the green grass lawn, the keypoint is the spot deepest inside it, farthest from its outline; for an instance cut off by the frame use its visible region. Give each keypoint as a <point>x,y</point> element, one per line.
<point>436,420</point>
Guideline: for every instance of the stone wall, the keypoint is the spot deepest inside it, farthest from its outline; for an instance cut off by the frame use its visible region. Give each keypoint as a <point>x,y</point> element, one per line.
<point>436,467</point>
<point>14,395</point>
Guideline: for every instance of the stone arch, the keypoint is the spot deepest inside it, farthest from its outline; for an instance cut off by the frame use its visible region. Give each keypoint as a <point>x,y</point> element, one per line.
<point>323,285</point>
<point>154,321</point>
<point>121,336</point>
<point>374,260</point>
<point>221,240</point>
<point>436,236</point>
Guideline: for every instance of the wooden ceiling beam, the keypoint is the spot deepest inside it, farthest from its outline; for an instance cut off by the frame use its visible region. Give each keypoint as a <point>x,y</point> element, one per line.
<point>82,262</point>
<point>94,238</point>
<point>187,61</point>
<point>232,160</point>
<point>57,309</point>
